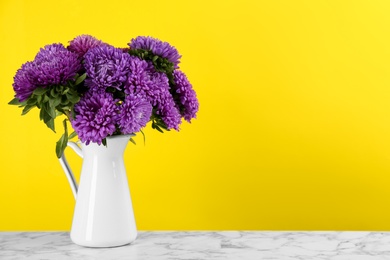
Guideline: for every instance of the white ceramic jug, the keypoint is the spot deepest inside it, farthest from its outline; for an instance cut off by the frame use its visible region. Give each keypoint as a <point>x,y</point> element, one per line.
<point>103,215</point>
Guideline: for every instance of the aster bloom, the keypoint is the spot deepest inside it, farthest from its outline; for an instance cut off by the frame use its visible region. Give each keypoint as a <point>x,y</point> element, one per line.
<point>81,44</point>
<point>162,99</point>
<point>48,50</point>
<point>186,96</point>
<point>52,68</point>
<point>138,79</point>
<point>53,65</point>
<point>158,88</point>
<point>106,66</point>
<point>135,113</point>
<point>96,116</point>
<point>154,86</point>
<point>169,113</point>
<point>158,47</point>
<point>23,85</point>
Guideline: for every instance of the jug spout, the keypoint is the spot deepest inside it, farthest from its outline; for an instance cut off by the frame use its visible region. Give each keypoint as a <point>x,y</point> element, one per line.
<point>68,171</point>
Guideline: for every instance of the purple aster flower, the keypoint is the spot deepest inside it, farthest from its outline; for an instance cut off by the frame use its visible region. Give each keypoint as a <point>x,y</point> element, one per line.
<point>96,115</point>
<point>154,86</point>
<point>169,113</point>
<point>106,66</point>
<point>23,85</point>
<point>53,68</point>
<point>48,50</point>
<point>81,44</point>
<point>138,78</point>
<point>189,104</point>
<point>53,65</point>
<point>158,47</point>
<point>162,99</point>
<point>135,113</point>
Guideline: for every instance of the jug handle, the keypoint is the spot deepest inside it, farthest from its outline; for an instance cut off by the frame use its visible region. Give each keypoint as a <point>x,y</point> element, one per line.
<point>68,171</point>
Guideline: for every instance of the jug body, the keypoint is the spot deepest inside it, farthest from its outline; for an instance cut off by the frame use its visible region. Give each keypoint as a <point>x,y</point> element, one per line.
<point>103,215</point>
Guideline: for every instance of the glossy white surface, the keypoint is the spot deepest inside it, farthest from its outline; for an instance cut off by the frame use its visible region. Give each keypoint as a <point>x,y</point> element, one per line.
<point>103,215</point>
<point>206,245</point>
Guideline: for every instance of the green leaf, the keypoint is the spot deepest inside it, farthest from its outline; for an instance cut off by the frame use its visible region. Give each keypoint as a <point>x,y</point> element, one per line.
<point>159,129</point>
<point>54,102</point>
<point>59,113</point>
<point>65,108</point>
<point>72,135</point>
<point>80,79</point>
<point>50,124</point>
<point>59,89</point>
<point>63,142</point>
<point>155,126</point>
<point>27,108</point>
<point>41,114</point>
<point>104,142</point>
<point>64,101</point>
<point>15,102</point>
<point>60,146</point>
<point>65,126</point>
<point>22,104</point>
<point>162,125</point>
<point>46,117</point>
<point>40,91</point>
<point>51,111</point>
<point>132,140</point>
<point>45,99</point>
<point>72,98</point>
<point>143,134</point>
<point>32,101</point>
<point>53,93</point>
<point>159,125</point>
<point>39,99</point>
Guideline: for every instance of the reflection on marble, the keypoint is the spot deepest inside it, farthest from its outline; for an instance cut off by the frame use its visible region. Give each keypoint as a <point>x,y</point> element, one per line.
<point>205,245</point>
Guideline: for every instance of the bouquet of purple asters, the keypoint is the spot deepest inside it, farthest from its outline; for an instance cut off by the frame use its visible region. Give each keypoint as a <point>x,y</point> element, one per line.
<point>105,91</point>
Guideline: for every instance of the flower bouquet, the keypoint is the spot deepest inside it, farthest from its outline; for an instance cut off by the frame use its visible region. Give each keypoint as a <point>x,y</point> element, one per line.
<point>105,91</point>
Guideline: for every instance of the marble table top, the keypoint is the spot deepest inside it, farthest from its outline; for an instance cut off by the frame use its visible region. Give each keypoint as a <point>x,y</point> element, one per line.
<point>205,245</point>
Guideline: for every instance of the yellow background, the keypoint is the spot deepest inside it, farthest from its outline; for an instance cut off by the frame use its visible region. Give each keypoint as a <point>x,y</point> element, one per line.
<point>293,131</point>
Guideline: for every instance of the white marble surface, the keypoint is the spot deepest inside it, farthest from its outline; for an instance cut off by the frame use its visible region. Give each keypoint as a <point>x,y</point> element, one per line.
<point>205,245</point>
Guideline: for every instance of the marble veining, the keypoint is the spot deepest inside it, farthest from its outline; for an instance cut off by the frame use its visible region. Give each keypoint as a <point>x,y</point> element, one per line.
<point>226,245</point>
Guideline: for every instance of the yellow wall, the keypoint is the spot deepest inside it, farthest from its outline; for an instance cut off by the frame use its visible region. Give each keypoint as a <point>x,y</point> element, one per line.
<point>293,130</point>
